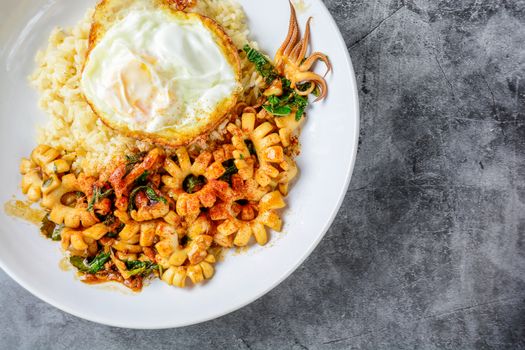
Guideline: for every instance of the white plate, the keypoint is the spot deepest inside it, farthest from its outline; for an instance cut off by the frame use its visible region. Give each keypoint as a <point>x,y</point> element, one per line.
<point>329,144</point>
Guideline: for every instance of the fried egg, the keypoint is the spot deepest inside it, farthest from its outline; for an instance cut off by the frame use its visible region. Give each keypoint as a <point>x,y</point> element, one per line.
<point>158,74</point>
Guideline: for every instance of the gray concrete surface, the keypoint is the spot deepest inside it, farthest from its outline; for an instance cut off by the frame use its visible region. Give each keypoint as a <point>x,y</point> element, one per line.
<point>428,249</point>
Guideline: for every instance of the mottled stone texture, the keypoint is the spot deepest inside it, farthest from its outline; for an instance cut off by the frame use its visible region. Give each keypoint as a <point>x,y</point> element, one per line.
<point>428,249</point>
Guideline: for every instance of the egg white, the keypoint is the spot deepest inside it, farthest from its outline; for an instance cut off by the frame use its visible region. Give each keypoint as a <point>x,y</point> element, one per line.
<point>153,71</point>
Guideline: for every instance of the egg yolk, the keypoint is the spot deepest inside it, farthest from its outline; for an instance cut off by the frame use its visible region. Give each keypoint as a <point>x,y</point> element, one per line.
<point>137,91</point>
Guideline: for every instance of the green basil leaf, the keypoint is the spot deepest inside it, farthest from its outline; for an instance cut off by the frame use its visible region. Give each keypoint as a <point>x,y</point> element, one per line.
<point>114,233</point>
<point>192,183</point>
<point>251,147</point>
<point>109,220</point>
<point>47,227</point>
<point>79,263</point>
<point>299,113</point>
<point>97,196</point>
<point>150,193</point>
<point>93,266</point>
<point>286,83</point>
<point>300,102</point>
<point>280,111</point>
<point>316,91</point>
<point>137,267</point>
<point>230,169</point>
<point>132,196</point>
<point>262,64</point>
<point>273,100</point>
<point>143,178</point>
<point>152,196</point>
<point>48,182</point>
<point>132,159</point>
<point>57,233</point>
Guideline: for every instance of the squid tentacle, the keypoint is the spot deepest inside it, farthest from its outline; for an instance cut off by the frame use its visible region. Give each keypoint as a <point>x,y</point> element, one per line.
<point>294,55</point>
<point>308,91</point>
<point>316,79</point>
<point>291,37</point>
<point>291,59</point>
<point>304,42</point>
<point>307,65</point>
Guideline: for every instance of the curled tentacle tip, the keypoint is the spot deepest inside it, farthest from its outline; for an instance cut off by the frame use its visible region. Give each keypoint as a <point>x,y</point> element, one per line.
<point>293,13</point>
<point>323,94</point>
<point>329,68</point>
<point>321,97</point>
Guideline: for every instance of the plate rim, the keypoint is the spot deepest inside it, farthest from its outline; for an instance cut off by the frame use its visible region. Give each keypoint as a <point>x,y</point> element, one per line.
<point>328,223</point>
